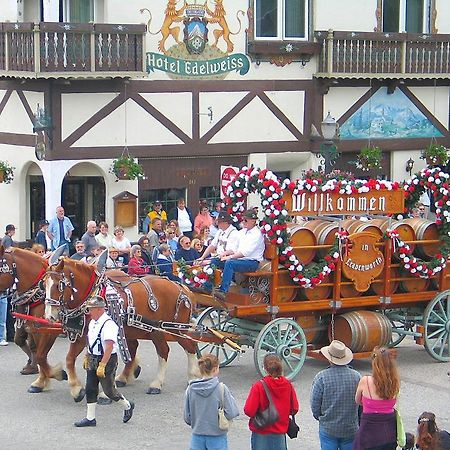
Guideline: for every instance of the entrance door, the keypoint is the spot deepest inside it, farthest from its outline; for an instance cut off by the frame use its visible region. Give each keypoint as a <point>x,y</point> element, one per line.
<point>37,203</point>
<point>83,199</point>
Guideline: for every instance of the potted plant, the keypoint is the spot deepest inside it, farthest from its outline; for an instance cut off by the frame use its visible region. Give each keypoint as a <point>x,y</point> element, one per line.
<point>6,172</point>
<point>369,158</point>
<point>126,168</point>
<point>435,155</point>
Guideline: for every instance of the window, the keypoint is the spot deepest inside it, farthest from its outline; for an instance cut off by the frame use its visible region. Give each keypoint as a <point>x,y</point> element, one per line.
<point>410,16</point>
<point>79,11</point>
<point>211,194</point>
<point>281,19</point>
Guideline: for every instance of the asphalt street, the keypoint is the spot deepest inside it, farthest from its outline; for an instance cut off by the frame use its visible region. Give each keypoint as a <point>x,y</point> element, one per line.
<point>45,421</point>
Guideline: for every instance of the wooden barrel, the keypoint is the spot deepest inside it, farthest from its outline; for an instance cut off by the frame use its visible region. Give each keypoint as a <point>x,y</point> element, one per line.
<point>361,331</point>
<point>404,230</point>
<point>358,226</point>
<point>318,292</point>
<point>302,236</point>
<point>349,290</point>
<point>412,284</point>
<point>284,279</point>
<point>378,288</point>
<point>315,330</point>
<point>325,233</point>
<point>424,230</point>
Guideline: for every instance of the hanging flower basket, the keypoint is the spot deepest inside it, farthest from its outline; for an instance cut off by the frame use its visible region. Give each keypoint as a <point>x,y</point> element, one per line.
<point>435,155</point>
<point>6,172</point>
<point>126,168</point>
<point>369,158</point>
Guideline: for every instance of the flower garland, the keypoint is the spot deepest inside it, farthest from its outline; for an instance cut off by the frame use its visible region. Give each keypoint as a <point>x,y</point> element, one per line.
<point>194,276</point>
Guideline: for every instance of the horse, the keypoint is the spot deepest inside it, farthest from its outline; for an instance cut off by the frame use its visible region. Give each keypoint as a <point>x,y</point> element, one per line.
<point>23,271</point>
<point>149,300</point>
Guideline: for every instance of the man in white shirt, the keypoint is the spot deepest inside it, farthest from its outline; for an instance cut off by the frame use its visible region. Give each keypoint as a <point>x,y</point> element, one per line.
<point>183,216</point>
<point>246,258</point>
<point>100,362</point>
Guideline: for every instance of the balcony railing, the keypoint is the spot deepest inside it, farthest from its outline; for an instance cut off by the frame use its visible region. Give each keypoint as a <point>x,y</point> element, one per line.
<point>395,54</point>
<point>71,49</point>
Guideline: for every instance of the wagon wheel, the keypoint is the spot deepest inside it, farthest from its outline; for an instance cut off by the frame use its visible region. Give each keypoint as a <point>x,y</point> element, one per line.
<point>286,338</point>
<point>217,319</point>
<point>398,325</point>
<point>436,321</point>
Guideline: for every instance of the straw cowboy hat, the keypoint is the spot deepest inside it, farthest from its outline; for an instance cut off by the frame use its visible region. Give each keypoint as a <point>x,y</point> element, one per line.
<point>337,353</point>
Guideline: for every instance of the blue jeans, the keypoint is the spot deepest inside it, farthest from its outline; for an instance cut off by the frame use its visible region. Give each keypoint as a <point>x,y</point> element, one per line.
<point>203,442</point>
<point>328,442</point>
<point>236,265</point>
<point>3,312</point>
<point>268,441</point>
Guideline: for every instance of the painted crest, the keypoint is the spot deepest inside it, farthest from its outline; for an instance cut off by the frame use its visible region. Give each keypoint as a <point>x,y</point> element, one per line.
<point>363,261</point>
<point>195,29</point>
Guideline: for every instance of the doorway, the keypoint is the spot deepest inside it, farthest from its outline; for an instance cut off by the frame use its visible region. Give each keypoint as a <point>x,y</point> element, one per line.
<point>37,203</point>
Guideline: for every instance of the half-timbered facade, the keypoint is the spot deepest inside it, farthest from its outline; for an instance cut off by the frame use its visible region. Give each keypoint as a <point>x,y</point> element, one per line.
<point>188,87</point>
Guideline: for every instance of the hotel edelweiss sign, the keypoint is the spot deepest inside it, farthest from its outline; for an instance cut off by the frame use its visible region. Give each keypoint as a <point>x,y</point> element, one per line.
<point>191,38</point>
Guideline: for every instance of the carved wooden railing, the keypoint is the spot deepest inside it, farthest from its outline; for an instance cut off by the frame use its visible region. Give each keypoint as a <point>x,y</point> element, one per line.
<point>346,52</point>
<point>57,49</point>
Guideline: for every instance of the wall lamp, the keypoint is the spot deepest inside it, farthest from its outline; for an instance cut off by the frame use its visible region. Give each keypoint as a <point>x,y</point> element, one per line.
<point>410,166</point>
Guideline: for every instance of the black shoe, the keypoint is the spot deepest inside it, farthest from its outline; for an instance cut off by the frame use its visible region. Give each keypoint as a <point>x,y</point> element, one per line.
<point>86,423</point>
<point>219,294</point>
<point>128,413</point>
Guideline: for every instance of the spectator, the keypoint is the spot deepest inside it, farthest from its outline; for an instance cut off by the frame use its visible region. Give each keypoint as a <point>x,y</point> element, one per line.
<point>203,219</point>
<point>95,252</point>
<point>41,235</point>
<point>155,212</point>
<point>60,230</point>
<point>422,211</point>
<point>415,213</point>
<point>88,238</point>
<point>183,216</point>
<point>429,436</point>
<point>283,397</point>
<point>79,249</point>
<point>162,239</point>
<point>377,393</point>
<point>333,398</point>
<point>136,265</point>
<point>146,251</point>
<point>217,209</point>
<point>164,263</point>
<point>114,261</point>
<point>7,240</point>
<point>202,400</point>
<point>103,237</point>
<point>204,236</point>
<point>246,258</point>
<point>185,252</point>
<point>213,229</point>
<point>121,243</point>
<point>172,240</point>
<point>38,249</point>
<point>197,244</point>
<point>153,233</point>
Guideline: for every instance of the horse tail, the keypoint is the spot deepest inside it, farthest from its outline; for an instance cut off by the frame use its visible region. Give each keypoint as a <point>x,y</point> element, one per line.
<point>240,22</point>
<point>149,21</point>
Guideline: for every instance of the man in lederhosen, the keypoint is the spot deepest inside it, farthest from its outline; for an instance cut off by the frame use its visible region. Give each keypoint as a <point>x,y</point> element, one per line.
<point>100,362</point>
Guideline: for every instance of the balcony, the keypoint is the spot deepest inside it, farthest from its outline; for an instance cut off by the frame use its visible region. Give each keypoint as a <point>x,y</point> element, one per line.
<point>71,50</point>
<point>346,54</point>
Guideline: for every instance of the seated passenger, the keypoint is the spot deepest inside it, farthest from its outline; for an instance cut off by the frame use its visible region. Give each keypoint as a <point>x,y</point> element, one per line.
<point>164,263</point>
<point>136,264</point>
<point>185,252</point>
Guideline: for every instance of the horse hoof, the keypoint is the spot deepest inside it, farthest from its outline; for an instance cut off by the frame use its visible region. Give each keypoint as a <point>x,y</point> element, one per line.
<point>80,396</point>
<point>153,391</point>
<point>120,383</point>
<point>137,371</point>
<point>64,376</point>
<point>104,401</point>
<point>35,390</point>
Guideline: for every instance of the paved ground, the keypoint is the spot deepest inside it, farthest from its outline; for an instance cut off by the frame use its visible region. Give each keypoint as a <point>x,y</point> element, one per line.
<point>45,421</point>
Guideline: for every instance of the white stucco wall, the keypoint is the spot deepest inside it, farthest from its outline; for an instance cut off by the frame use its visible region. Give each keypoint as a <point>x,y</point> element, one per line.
<point>443,16</point>
<point>8,11</point>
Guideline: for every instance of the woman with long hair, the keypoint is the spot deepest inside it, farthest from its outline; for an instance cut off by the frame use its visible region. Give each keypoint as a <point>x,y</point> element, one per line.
<point>202,401</point>
<point>377,393</point>
<point>429,436</point>
<point>284,398</point>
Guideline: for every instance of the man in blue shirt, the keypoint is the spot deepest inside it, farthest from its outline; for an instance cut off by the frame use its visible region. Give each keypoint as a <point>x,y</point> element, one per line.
<point>60,230</point>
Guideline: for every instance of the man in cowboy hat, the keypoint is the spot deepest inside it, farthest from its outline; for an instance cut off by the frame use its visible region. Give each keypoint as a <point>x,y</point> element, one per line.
<point>333,398</point>
<point>248,255</point>
<point>100,362</point>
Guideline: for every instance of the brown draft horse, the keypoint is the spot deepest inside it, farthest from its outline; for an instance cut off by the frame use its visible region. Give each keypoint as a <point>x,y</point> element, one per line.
<point>70,283</point>
<point>29,269</point>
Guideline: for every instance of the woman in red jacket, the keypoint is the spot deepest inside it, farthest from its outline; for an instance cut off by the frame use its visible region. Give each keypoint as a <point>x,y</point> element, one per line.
<point>272,437</point>
<point>136,264</point>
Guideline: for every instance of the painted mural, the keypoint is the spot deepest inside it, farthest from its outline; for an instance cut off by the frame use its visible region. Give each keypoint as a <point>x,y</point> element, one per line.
<point>388,116</point>
<point>196,42</point>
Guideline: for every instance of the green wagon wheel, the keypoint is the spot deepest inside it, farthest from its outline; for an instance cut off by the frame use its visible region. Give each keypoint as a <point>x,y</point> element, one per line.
<point>217,319</point>
<point>398,325</point>
<point>436,321</point>
<point>286,338</point>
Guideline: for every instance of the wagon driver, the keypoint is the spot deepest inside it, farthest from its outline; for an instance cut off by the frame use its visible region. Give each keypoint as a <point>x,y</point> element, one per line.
<point>249,253</point>
<point>100,362</point>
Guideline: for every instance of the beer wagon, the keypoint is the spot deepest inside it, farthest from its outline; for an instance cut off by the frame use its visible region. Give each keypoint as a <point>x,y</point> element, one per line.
<point>374,282</point>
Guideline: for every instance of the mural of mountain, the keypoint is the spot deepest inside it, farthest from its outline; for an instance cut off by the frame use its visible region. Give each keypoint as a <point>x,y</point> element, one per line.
<point>388,116</point>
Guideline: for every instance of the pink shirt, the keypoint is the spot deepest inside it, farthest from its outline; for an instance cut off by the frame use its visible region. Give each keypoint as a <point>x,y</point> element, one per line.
<point>374,406</point>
